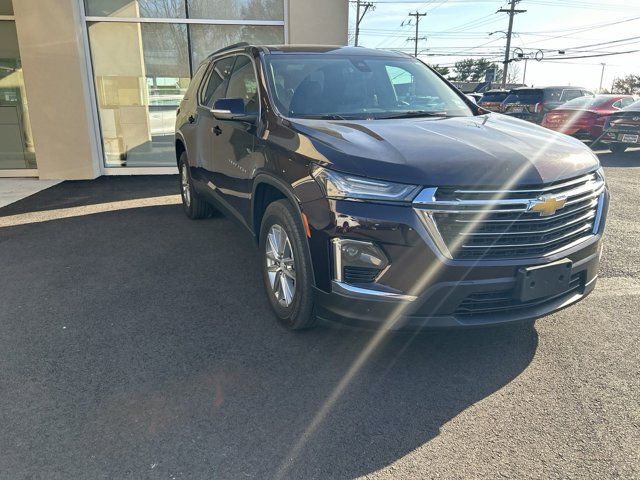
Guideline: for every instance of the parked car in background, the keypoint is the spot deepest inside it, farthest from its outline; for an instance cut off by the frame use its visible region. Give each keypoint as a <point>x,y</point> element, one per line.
<point>584,117</point>
<point>533,103</point>
<point>492,99</point>
<point>623,129</point>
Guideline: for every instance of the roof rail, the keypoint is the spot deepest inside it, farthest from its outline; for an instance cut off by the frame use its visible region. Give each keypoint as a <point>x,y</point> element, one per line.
<point>231,47</point>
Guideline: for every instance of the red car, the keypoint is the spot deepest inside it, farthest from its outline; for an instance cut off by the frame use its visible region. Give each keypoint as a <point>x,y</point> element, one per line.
<point>584,117</point>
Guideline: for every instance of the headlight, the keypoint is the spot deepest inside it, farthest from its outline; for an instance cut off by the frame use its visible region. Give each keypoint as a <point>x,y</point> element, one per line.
<point>344,186</point>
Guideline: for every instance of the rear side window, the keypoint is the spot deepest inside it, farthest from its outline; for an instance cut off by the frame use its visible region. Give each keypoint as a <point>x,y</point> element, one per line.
<point>216,83</point>
<point>196,80</point>
<point>529,96</point>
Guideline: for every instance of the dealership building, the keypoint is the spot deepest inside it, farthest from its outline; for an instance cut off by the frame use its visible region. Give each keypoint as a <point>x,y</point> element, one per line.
<point>91,87</point>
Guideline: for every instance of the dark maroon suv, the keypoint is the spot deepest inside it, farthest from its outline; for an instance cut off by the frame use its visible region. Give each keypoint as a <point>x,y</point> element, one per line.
<point>380,195</point>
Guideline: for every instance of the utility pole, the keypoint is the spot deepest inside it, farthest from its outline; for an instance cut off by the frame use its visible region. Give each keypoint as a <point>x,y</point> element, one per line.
<point>416,38</point>
<point>512,13</point>
<point>366,6</point>
<point>602,77</point>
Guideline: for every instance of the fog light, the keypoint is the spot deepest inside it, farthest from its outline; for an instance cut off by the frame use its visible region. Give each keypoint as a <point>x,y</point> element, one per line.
<point>357,261</point>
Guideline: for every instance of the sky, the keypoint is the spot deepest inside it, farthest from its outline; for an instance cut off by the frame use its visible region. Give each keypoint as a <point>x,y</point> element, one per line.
<point>457,29</point>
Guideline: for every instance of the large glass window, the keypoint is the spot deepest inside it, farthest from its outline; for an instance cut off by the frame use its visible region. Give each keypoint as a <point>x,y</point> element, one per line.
<point>208,38</point>
<point>136,8</point>
<point>141,73</point>
<point>237,9</point>
<point>142,68</point>
<point>16,141</point>
<point>6,7</point>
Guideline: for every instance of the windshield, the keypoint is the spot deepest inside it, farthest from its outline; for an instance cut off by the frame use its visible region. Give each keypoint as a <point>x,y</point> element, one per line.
<point>358,87</point>
<point>524,96</point>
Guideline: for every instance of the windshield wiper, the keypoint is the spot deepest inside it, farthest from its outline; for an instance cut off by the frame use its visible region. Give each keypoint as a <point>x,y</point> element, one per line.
<point>332,116</point>
<point>413,113</point>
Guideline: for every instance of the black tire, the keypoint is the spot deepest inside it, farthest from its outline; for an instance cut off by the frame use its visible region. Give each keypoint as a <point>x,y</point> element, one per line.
<point>195,207</point>
<point>617,147</point>
<point>299,313</point>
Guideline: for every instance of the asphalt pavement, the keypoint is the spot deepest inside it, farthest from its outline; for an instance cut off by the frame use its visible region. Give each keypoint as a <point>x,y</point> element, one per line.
<point>135,343</point>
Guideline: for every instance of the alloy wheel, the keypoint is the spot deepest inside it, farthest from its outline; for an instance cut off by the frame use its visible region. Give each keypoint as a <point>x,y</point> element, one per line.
<point>280,265</point>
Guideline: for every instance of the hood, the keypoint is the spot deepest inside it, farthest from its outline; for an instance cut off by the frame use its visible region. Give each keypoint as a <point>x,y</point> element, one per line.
<point>487,150</point>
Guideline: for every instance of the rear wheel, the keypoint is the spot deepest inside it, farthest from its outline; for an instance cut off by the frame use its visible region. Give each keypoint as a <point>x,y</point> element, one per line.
<point>617,147</point>
<point>195,207</point>
<point>286,266</point>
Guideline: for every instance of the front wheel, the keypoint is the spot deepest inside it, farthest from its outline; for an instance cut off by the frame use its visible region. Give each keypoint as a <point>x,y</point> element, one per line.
<point>286,266</point>
<point>617,147</point>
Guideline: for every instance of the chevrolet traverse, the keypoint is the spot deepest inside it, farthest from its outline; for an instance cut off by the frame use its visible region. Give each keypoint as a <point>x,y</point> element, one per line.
<point>381,196</point>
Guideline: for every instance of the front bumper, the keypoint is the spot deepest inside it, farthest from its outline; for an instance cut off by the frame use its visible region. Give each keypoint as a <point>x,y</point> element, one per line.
<point>440,305</point>
<point>422,288</point>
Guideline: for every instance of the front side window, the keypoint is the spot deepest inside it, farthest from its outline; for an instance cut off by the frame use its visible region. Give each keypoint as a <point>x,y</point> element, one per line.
<point>244,84</point>
<point>358,87</point>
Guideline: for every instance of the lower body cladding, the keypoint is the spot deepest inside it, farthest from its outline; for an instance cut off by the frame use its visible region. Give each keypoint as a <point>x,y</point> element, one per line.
<point>409,284</point>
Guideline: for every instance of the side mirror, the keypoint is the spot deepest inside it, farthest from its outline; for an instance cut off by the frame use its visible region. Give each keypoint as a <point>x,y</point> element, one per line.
<point>472,98</point>
<point>232,109</point>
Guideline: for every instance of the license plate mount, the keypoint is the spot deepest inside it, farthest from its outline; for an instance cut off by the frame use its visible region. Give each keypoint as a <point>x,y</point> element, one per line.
<point>543,280</point>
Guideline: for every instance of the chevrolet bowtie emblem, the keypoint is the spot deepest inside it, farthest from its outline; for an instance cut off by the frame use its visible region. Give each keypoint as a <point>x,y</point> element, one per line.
<point>546,205</point>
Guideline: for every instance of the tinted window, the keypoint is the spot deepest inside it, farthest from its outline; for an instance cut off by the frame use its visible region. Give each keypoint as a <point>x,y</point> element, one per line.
<point>244,84</point>
<point>494,96</point>
<point>570,95</point>
<point>216,84</point>
<point>528,95</point>
<point>358,86</point>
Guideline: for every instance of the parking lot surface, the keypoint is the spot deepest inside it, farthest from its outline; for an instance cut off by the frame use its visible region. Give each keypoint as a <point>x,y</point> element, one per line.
<point>135,343</point>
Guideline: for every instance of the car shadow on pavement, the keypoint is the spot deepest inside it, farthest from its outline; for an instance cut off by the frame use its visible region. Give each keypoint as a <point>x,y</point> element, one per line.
<point>139,344</point>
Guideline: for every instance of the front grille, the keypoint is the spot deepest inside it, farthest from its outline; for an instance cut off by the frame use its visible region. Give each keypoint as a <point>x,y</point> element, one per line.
<point>499,224</point>
<point>480,303</point>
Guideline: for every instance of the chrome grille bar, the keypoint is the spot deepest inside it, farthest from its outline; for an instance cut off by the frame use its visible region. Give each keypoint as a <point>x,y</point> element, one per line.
<point>488,224</point>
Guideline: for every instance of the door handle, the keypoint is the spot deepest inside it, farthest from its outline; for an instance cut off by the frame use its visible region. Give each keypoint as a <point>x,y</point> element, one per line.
<point>217,130</point>
<point>191,119</point>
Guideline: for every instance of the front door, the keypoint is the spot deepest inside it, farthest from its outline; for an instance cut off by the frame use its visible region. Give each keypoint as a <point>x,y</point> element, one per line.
<point>234,162</point>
